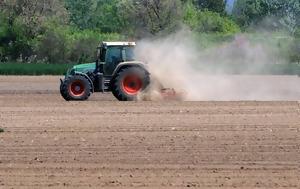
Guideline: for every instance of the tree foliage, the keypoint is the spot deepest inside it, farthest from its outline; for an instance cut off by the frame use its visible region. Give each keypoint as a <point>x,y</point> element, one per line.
<point>21,22</point>
<point>208,21</point>
<point>272,14</point>
<point>66,44</point>
<point>107,16</point>
<point>247,12</point>
<point>13,39</point>
<point>59,31</point>
<point>152,17</point>
<point>102,15</point>
<point>32,13</point>
<point>211,5</point>
<point>81,12</point>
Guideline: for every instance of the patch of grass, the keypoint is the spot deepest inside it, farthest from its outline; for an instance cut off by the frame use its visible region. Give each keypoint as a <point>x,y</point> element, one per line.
<point>33,69</point>
<point>1,130</point>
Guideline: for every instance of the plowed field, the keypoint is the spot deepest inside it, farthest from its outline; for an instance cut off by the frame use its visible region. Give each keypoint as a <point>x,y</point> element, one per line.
<point>103,143</point>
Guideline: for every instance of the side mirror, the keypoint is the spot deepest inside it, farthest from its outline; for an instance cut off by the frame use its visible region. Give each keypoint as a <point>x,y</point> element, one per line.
<point>99,49</point>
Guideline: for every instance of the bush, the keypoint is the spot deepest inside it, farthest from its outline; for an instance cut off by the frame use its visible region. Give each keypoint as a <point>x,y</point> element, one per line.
<point>66,44</point>
<point>295,51</point>
<point>295,55</point>
<point>297,33</point>
<point>207,40</point>
<point>83,43</point>
<point>207,21</point>
<point>52,48</point>
<point>55,43</point>
<point>14,40</point>
<point>1,130</point>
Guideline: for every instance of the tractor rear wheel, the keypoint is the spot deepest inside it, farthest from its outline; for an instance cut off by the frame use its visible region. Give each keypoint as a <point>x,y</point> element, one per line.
<point>75,87</point>
<point>129,82</point>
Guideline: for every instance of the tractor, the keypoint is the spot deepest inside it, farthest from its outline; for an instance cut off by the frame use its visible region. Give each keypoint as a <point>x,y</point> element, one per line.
<point>114,70</point>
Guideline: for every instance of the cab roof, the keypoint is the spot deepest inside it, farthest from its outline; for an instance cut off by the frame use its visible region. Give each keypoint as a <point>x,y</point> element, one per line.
<point>118,43</point>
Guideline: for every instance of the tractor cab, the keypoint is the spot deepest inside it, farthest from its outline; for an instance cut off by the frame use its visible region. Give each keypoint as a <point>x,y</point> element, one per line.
<point>111,54</point>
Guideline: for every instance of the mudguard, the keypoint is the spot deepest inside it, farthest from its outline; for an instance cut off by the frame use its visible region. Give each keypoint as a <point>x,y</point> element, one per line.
<point>132,63</point>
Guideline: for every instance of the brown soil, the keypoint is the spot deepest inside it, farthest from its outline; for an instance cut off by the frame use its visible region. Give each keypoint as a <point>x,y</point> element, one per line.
<point>103,143</point>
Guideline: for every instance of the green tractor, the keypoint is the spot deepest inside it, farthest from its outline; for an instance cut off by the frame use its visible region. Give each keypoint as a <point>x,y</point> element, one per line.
<point>115,70</point>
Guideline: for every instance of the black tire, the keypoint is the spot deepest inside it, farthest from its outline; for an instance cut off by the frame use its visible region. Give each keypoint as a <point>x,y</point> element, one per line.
<point>125,90</point>
<point>63,93</point>
<point>75,88</point>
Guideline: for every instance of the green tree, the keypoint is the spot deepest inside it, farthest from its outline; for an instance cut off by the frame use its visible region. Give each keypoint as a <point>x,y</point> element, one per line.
<point>107,18</point>
<point>34,13</point>
<point>14,43</point>
<point>247,12</point>
<point>67,44</point>
<point>151,17</point>
<point>286,13</point>
<point>21,21</point>
<point>272,14</point>
<point>81,12</point>
<point>211,5</point>
<point>207,21</point>
<point>101,15</point>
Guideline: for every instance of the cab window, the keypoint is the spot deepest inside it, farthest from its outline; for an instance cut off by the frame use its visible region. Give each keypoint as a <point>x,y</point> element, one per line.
<point>129,53</point>
<point>113,54</point>
<point>113,58</point>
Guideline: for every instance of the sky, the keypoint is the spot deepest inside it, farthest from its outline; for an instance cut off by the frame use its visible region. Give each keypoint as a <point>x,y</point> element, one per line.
<point>229,5</point>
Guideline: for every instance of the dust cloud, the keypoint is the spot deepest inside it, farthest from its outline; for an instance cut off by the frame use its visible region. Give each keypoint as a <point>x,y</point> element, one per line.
<point>179,62</point>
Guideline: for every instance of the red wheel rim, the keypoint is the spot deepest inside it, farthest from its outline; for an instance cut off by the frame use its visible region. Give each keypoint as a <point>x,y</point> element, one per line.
<point>132,84</point>
<point>76,88</point>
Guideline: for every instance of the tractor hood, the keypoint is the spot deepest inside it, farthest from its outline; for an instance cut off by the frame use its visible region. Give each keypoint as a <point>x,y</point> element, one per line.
<point>83,68</point>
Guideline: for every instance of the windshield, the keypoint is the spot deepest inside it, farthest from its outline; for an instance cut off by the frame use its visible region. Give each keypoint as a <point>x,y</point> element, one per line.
<point>113,55</point>
<point>129,53</point>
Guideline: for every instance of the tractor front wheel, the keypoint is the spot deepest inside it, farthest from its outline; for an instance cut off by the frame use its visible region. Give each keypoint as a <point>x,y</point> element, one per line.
<point>75,87</point>
<point>129,82</point>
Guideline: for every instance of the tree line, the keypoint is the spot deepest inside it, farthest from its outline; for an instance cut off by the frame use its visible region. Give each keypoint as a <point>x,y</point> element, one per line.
<point>67,31</point>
